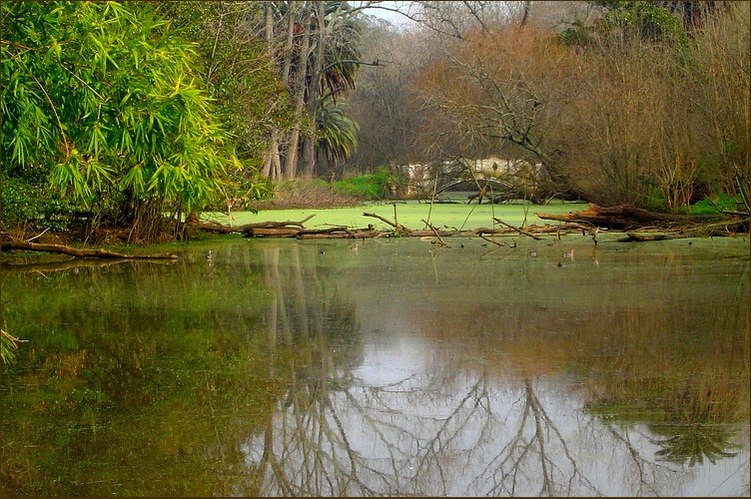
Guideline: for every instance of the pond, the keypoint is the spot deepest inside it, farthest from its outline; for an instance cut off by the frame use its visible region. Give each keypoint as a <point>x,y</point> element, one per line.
<point>383,367</point>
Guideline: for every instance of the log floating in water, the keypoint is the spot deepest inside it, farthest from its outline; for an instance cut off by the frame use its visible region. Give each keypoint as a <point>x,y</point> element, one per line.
<point>77,252</point>
<point>722,229</point>
<point>296,229</point>
<point>257,228</point>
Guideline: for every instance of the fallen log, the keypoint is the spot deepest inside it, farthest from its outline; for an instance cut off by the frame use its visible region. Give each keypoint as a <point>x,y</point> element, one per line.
<point>628,217</point>
<point>272,231</point>
<point>78,252</point>
<point>349,234</point>
<point>723,229</point>
<point>249,228</point>
<point>296,229</point>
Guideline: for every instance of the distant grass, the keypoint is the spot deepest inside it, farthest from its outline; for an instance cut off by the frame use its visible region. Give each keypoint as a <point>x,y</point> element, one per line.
<point>408,213</point>
<point>715,204</point>
<point>370,186</point>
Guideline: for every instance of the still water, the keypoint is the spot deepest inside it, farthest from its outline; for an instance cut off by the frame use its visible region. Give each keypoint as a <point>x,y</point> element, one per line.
<point>382,367</point>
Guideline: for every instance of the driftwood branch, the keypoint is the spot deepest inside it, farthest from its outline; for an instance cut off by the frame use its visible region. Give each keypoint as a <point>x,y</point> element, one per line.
<point>77,252</point>
<point>722,229</point>
<point>520,231</point>
<point>485,238</point>
<point>435,231</point>
<point>399,227</point>
<point>252,227</point>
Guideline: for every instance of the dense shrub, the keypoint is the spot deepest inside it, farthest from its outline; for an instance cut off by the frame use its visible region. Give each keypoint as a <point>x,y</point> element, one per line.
<point>633,109</point>
<point>382,184</point>
<point>101,102</point>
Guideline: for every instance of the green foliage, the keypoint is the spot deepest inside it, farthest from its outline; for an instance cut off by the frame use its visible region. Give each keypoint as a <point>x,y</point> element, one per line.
<point>34,205</point>
<point>104,98</point>
<point>337,133</point>
<point>654,197</point>
<point>250,97</point>
<point>341,50</point>
<point>370,186</point>
<point>714,204</point>
<point>576,35</point>
<point>647,20</point>
<point>8,347</point>
<point>638,20</point>
<point>108,376</point>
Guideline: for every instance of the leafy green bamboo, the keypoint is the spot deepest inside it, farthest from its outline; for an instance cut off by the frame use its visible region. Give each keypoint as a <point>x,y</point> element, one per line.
<point>103,99</point>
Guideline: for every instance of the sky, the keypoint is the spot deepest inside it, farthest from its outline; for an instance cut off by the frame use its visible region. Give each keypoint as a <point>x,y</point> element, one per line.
<point>392,17</point>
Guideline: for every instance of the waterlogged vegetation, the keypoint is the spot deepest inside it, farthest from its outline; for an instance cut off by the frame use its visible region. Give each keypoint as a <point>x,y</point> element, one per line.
<point>393,366</point>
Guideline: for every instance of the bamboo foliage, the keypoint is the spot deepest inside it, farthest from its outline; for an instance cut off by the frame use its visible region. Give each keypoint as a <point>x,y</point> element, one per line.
<point>103,96</point>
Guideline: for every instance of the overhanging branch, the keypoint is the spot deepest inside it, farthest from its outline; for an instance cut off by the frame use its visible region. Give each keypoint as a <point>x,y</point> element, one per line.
<point>350,61</point>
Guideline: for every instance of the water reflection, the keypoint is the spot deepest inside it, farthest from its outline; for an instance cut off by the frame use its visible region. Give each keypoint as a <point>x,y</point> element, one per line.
<point>287,368</point>
<point>489,412</point>
<point>471,439</point>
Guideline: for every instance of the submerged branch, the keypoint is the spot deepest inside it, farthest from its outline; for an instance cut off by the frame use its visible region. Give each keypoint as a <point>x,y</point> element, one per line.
<point>399,227</point>
<point>435,231</point>
<point>520,231</point>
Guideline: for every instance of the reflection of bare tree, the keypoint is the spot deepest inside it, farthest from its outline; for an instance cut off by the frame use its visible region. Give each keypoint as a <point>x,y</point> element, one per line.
<point>637,466</point>
<point>447,433</point>
<point>404,439</point>
<point>333,436</point>
<point>315,456</point>
<point>536,442</point>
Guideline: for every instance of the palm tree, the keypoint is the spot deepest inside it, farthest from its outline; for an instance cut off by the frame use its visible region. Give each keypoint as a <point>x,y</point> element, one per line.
<point>332,75</point>
<point>341,56</point>
<point>318,59</point>
<point>336,133</point>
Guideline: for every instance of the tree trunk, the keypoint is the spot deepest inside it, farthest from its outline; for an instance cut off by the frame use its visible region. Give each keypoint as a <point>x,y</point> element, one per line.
<point>312,106</point>
<point>308,157</point>
<point>628,217</point>
<point>525,16</point>
<point>272,165</point>
<point>293,145</point>
<point>272,162</point>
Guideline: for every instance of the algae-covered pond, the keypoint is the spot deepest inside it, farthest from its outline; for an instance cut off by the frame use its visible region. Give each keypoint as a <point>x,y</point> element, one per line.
<point>453,213</point>
<point>383,367</point>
